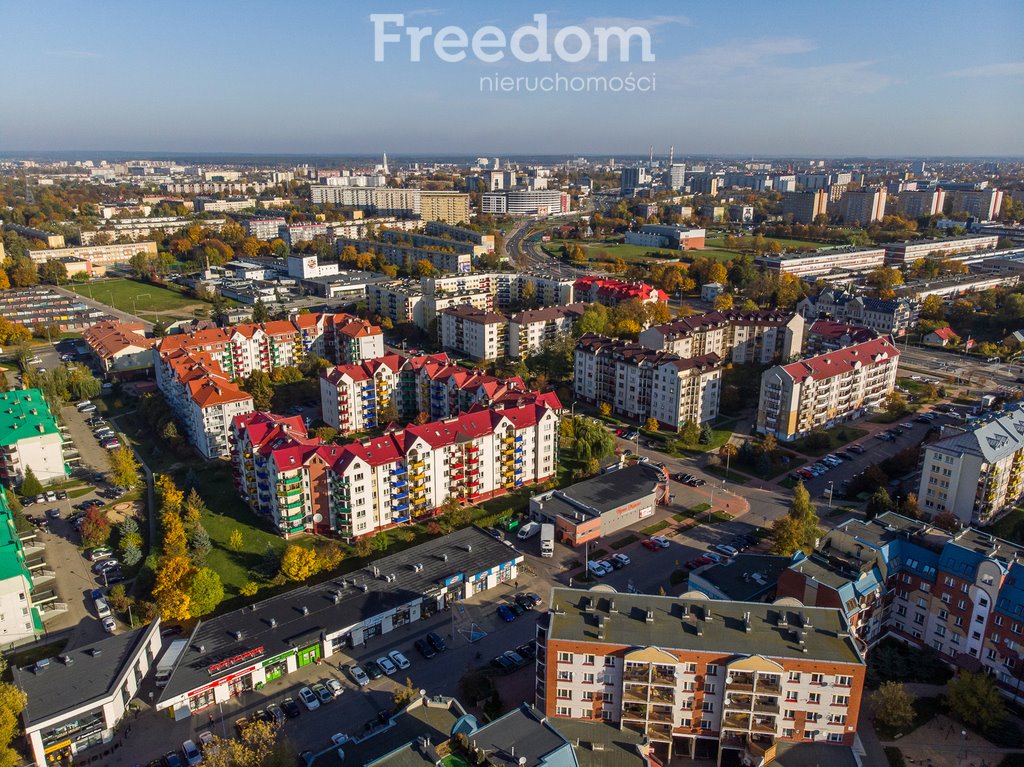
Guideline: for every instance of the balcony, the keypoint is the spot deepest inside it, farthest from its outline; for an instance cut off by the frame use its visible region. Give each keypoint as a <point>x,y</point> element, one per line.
<point>735,721</point>
<point>738,702</point>
<point>634,692</point>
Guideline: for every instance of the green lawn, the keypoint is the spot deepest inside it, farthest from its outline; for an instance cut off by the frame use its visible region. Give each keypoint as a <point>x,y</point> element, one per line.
<point>1010,527</point>
<point>838,436</point>
<point>785,242</point>
<point>140,298</point>
<point>718,254</point>
<point>609,251</point>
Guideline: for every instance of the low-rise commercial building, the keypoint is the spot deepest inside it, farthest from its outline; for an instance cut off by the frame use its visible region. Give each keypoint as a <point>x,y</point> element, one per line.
<point>597,507</point>
<point>611,292</point>
<point>909,251</point>
<point>820,392</point>
<point>240,651</point>
<point>29,438</point>
<point>667,236</point>
<point>701,678</point>
<point>76,700</point>
<point>41,305</point>
<point>641,383</point>
<point>824,261</point>
<point>760,337</point>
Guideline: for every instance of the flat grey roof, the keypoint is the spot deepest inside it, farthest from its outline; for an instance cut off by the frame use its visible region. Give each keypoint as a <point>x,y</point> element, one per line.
<point>614,488</point>
<point>675,623</point>
<point>617,748</point>
<point>91,675</point>
<point>734,577</point>
<point>522,737</point>
<point>298,618</point>
<point>395,746</point>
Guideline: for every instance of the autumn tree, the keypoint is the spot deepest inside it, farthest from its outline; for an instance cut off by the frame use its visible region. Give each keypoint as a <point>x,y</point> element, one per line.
<point>878,503</point>
<point>651,424</point>
<point>947,521</point>
<point>723,301</point>
<point>895,404</point>
<point>169,495</point>
<point>799,529</point>
<point>235,540</point>
<point>12,703</point>
<point>975,700</point>
<point>205,592</point>
<point>30,484</point>
<point>175,541</point>
<point>893,705</point>
<point>124,469</point>
<point>172,589</point>
<point>258,384</point>
<point>193,510</point>
<point>298,563</point>
<point>95,528</point>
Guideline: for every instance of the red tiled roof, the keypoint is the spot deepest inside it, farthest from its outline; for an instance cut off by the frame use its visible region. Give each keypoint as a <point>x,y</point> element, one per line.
<point>843,360</point>
<point>946,334</point>
<point>110,337</point>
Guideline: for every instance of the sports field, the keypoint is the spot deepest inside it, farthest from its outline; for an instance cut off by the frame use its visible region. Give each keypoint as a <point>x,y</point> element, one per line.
<point>150,302</point>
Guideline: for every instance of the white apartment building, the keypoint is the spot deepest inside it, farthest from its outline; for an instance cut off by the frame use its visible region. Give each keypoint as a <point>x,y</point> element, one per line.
<point>864,206</point>
<point>293,234</point>
<point>983,204</point>
<point>384,201</point>
<point>263,228</point>
<point>352,397</point>
<point>525,202</point>
<point>762,336</point>
<point>976,473</point>
<point>210,205</point>
<point>822,391</point>
<point>641,383</point>
<point>905,253</point>
<point>529,330</point>
<point>475,333</point>
<point>120,253</point>
<point>401,301</point>
<point>919,203</point>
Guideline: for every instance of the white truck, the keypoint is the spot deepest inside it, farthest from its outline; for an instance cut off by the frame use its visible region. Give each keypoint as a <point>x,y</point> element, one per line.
<point>528,530</point>
<point>168,661</point>
<point>547,540</point>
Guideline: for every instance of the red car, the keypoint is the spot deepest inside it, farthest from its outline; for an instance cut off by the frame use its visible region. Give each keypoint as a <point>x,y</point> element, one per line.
<point>618,432</point>
<point>693,564</point>
<point>651,545</point>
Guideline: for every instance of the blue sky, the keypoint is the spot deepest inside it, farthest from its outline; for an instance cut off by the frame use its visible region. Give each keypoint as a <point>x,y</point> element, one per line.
<point>782,78</point>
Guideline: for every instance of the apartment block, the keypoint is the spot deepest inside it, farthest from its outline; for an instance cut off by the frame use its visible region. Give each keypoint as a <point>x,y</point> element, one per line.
<point>360,488</point>
<point>20,617</point>
<point>405,256</point>
<point>120,346</point>
<point>446,207</point>
<point>641,383</point>
<point>431,242</point>
<point>528,331</point>
<point>726,681</point>
<point>744,337</point>
<point>886,317</point>
<point>120,253</point>
<point>804,207</point>
<point>29,438</point>
<point>203,398</point>
<point>918,204</point>
<point>864,206</point>
<point>956,593</point>
<point>525,202</point>
<point>906,253</point>
<point>976,473</point>
<point>822,391</point>
<point>438,228</point>
<point>263,228</point>
<point>383,201</point>
<point>611,292</point>
<point>475,333</point>
<point>983,204</point>
<point>824,261</point>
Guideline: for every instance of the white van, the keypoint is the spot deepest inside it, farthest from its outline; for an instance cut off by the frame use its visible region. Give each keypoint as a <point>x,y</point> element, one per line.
<point>102,608</point>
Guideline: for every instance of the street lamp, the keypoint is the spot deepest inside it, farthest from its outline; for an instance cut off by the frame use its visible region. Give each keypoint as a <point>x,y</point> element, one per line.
<point>829,488</point>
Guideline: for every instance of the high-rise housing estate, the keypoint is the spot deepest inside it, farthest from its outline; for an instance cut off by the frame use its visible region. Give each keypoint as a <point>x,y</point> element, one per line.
<point>863,206</point>
<point>29,438</point>
<point>819,392</point>
<point>477,333</point>
<point>983,204</point>
<point>641,383</point>
<point>675,177</point>
<point>525,202</point>
<point>719,680</point>
<point>447,207</point>
<point>633,177</point>
<point>804,207</point>
<point>976,473</point>
<point>916,204</point>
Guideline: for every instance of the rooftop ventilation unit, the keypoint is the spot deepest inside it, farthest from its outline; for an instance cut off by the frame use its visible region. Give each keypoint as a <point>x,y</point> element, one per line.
<point>237,635</point>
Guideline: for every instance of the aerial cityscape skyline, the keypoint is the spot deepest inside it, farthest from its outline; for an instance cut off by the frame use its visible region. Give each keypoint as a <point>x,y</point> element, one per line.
<point>728,81</point>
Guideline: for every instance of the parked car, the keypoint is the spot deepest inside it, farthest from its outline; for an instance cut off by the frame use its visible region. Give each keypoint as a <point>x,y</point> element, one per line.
<point>515,657</point>
<point>856,449</point>
<point>729,551</point>
<point>535,598</point>
<point>613,563</point>
<point>290,707</point>
<point>358,675</point>
<point>100,552</point>
<point>523,601</point>
<point>661,540</point>
<point>650,545</point>
<point>276,714</point>
<point>171,759</point>
<point>335,687</point>
<point>373,670</point>
<point>386,665</point>
<point>713,556</point>
<point>322,693</point>
<point>191,753</point>
<point>105,564</point>
<point>622,559</point>
<point>506,614</point>
<point>423,647</point>
<point>436,641</point>
<point>597,569</point>
<point>502,664</point>
<point>309,699</point>
<point>527,650</point>
<point>399,660</point>
<point>695,482</point>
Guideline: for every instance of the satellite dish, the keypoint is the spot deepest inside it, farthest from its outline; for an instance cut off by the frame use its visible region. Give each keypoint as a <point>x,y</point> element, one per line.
<point>318,518</point>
